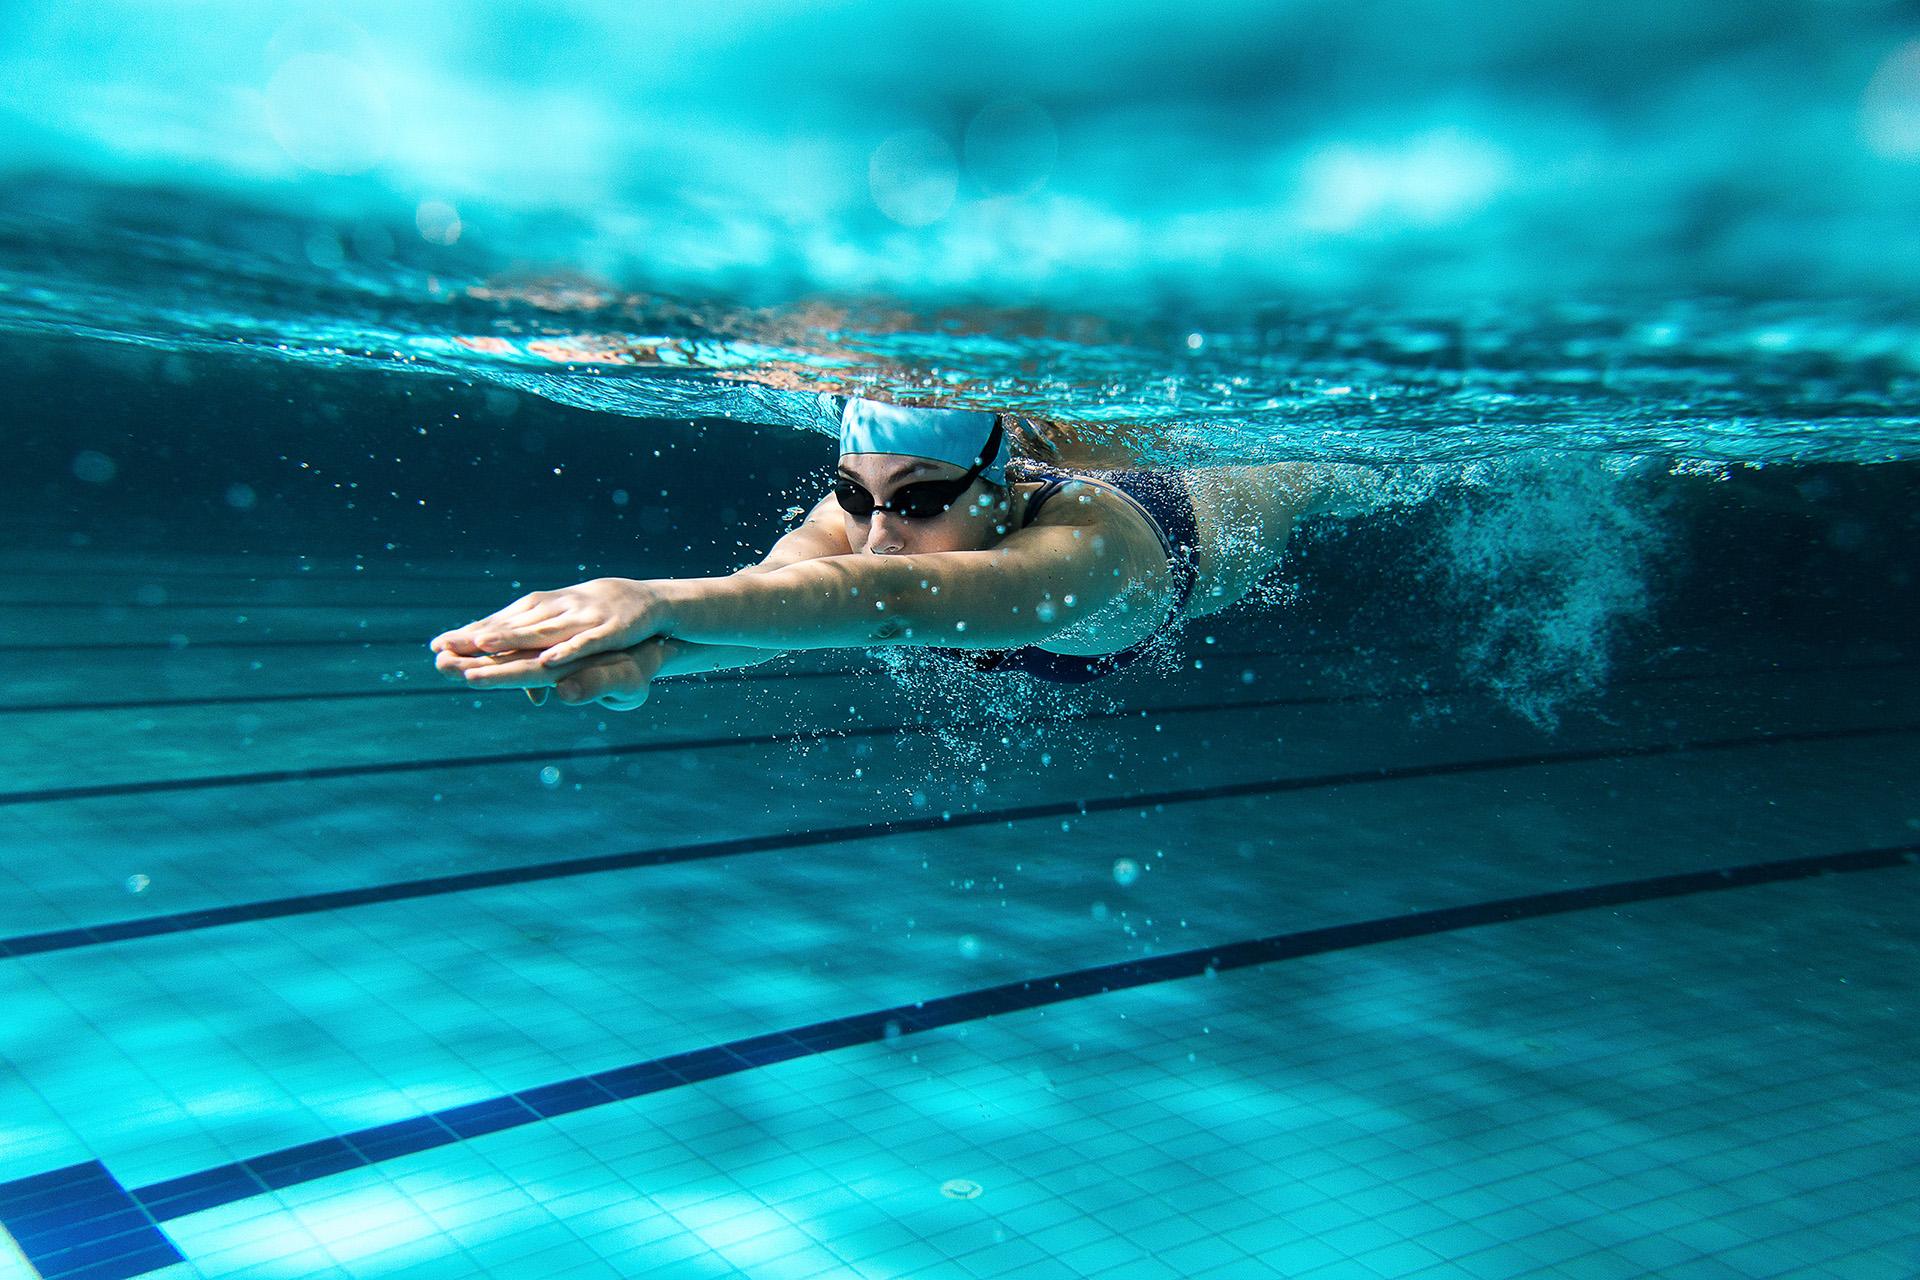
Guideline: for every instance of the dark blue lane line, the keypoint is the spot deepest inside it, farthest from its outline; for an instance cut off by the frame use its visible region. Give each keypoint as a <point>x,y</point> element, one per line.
<point>134,606</point>
<point>504,577</point>
<point>309,904</point>
<point>756,674</point>
<point>275,777</point>
<point>79,1223</point>
<point>70,1211</point>
<point>264,642</point>
<point>319,773</point>
<point>445,689</point>
<point>449,690</point>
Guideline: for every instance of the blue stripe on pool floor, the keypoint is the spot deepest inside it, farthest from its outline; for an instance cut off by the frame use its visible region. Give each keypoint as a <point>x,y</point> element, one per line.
<point>447,690</point>
<point>755,675</point>
<point>310,904</point>
<point>322,773</point>
<point>80,1222</point>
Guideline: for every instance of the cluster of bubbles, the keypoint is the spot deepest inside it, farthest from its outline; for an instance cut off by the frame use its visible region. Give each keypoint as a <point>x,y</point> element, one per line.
<point>1547,567</point>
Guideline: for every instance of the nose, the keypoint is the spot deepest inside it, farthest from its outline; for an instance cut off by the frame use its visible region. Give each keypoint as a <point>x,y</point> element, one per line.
<point>884,536</point>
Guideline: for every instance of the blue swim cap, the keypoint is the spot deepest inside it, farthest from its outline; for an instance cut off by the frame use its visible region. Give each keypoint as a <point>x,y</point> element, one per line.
<point>945,435</point>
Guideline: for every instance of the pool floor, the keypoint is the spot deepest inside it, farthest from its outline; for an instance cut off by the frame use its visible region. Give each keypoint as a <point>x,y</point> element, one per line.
<point>1325,966</point>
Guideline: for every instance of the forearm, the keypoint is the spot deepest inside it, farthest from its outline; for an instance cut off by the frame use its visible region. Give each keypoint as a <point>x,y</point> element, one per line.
<point>856,601</point>
<point>685,657</point>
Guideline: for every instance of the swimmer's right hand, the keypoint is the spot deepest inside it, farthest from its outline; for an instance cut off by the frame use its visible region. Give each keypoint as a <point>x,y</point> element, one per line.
<point>564,626</point>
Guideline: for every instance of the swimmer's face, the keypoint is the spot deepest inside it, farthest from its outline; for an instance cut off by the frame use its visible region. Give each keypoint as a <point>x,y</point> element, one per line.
<point>975,521</point>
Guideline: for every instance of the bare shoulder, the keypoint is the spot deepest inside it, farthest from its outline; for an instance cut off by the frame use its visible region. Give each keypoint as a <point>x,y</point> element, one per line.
<point>825,527</point>
<point>825,511</point>
<point>822,533</point>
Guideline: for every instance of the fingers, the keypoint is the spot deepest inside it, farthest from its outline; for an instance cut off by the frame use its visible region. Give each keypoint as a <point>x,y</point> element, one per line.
<point>549,647</point>
<point>530,631</point>
<point>463,639</point>
<point>594,641</point>
<point>520,670</point>
<point>454,666</point>
<point>459,641</point>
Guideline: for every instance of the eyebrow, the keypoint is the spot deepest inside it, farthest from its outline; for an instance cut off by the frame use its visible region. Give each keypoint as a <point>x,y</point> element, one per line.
<point>907,470</point>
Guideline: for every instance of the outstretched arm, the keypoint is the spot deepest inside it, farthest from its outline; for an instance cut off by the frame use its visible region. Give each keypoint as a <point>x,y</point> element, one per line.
<point>1040,582</point>
<point>621,679</point>
<point>820,534</point>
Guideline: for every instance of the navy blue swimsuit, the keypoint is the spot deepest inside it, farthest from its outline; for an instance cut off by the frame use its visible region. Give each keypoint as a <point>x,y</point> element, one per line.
<point>1169,508</point>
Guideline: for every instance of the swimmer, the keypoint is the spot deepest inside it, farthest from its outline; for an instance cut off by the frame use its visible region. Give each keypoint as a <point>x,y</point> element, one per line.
<point>927,540</point>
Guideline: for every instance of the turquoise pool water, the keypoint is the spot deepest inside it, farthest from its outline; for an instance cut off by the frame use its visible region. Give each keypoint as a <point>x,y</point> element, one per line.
<point>1521,885</point>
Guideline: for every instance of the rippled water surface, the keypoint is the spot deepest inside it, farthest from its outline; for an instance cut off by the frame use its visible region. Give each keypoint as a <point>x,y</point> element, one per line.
<point>1242,235</point>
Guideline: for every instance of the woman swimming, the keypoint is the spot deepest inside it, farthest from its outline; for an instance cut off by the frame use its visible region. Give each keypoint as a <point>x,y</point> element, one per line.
<point>925,540</point>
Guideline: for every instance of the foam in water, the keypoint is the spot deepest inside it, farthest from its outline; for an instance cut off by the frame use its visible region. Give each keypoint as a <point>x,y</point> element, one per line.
<point>1546,563</point>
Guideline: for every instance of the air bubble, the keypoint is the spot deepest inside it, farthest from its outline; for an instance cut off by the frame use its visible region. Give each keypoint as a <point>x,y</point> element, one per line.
<point>93,467</point>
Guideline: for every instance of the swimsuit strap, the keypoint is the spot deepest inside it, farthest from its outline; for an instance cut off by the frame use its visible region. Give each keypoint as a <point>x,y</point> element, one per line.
<point>1053,485</point>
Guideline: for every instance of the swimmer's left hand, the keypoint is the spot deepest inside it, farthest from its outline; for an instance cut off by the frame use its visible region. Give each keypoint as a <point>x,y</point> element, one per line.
<point>520,669</point>
<point>621,680</point>
<point>561,626</point>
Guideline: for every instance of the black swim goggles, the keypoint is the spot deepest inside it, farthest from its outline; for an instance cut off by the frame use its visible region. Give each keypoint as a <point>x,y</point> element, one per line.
<point>920,501</point>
